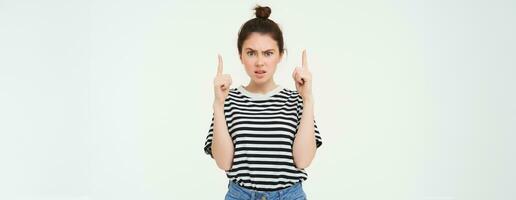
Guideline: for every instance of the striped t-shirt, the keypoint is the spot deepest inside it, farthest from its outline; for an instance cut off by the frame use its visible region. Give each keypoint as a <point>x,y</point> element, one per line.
<point>263,128</point>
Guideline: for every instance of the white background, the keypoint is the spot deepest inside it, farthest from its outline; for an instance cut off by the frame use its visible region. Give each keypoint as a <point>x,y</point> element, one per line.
<point>107,100</point>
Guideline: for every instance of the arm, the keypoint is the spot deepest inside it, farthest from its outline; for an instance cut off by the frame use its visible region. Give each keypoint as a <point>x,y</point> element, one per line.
<point>304,147</point>
<point>222,144</point>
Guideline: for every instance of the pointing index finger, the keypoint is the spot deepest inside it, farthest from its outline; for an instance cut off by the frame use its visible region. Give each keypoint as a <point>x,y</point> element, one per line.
<point>304,60</point>
<point>220,66</point>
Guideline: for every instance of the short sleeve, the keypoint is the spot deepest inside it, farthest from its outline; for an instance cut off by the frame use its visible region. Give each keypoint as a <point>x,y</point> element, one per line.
<point>207,143</point>
<point>318,138</point>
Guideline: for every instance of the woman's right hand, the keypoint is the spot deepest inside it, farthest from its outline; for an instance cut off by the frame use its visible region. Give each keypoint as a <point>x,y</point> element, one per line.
<point>221,83</point>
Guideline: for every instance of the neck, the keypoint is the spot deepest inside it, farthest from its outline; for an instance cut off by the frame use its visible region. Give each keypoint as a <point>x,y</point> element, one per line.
<point>262,88</point>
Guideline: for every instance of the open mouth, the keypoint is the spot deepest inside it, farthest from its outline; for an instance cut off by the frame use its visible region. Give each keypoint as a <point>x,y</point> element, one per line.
<point>260,73</point>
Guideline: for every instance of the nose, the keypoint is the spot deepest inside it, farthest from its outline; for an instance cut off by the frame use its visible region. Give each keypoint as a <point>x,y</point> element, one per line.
<point>259,61</point>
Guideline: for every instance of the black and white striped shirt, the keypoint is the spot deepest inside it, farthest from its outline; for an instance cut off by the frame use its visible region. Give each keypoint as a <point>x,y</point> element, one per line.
<point>263,127</point>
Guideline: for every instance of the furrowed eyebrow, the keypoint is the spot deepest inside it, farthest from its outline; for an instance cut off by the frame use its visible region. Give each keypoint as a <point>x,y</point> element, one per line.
<point>262,51</point>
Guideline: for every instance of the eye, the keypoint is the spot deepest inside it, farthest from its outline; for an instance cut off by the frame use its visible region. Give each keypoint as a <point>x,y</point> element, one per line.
<point>269,53</point>
<point>250,53</point>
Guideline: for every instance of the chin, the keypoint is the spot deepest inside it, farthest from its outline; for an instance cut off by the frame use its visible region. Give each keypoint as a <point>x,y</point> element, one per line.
<point>260,80</point>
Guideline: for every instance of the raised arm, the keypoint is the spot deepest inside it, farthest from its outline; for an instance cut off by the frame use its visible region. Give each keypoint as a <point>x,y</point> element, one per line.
<point>222,145</point>
<point>304,147</point>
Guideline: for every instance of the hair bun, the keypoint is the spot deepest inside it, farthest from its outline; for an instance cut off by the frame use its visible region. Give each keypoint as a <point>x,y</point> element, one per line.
<point>262,12</point>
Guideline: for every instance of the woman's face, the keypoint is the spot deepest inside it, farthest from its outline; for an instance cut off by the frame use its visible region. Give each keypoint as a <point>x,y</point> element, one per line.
<point>260,55</point>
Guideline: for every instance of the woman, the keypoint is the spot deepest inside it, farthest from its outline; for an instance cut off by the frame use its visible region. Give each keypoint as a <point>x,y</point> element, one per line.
<point>263,135</point>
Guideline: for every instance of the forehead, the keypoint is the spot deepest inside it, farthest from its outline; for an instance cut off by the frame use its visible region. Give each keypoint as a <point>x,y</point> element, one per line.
<point>260,42</point>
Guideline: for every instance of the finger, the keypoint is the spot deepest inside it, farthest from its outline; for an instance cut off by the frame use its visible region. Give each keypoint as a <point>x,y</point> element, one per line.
<point>299,75</point>
<point>304,60</point>
<point>299,78</point>
<point>225,82</point>
<point>220,67</point>
<point>295,74</point>
<point>225,85</point>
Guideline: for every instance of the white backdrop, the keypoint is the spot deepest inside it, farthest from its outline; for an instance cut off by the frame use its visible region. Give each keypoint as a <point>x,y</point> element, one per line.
<point>107,100</point>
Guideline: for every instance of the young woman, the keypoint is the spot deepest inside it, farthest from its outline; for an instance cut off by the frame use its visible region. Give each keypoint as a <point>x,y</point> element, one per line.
<point>263,135</point>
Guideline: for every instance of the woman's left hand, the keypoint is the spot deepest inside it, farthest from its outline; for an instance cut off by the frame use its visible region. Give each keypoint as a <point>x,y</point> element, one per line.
<point>303,79</point>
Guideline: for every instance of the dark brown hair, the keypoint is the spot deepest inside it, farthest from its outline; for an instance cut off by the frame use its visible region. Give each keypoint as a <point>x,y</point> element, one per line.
<point>260,24</point>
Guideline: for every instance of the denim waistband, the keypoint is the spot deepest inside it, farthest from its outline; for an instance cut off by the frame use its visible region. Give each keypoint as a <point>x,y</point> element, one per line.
<point>270,194</point>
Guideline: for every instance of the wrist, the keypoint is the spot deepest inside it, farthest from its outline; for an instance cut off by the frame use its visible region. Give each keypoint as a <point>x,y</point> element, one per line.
<point>218,104</point>
<point>308,104</point>
<point>308,99</point>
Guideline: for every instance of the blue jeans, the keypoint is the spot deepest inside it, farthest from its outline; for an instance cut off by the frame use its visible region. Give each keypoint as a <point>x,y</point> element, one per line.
<point>237,192</point>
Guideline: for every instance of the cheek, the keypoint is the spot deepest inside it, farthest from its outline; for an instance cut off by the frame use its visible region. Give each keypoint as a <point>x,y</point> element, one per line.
<point>247,61</point>
<point>248,65</point>
<point>272,62</point>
